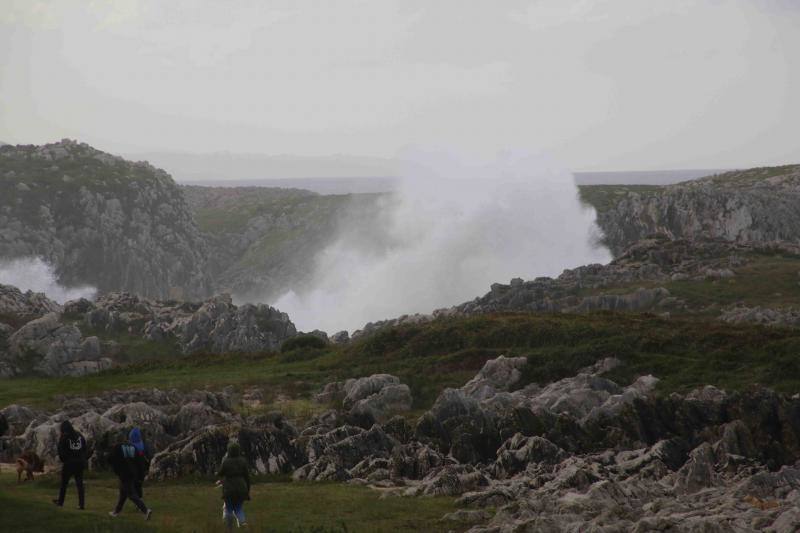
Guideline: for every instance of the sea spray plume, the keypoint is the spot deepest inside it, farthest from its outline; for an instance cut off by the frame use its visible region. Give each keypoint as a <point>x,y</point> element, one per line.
<point>33,274</point>
<point>450,230</point>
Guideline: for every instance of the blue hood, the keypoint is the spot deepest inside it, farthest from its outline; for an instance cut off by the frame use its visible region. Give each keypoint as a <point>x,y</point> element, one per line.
<point>135,438</point>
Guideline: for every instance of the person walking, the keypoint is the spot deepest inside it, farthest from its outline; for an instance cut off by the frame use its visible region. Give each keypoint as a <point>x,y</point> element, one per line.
<point>127,466</point>
<point>73,455</point>
<point>235,475</point>
<point>141,460</point>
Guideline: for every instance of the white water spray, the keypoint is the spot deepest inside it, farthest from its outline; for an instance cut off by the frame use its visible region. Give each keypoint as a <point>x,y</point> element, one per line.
<point>450,230</point>
<point>33,274</point>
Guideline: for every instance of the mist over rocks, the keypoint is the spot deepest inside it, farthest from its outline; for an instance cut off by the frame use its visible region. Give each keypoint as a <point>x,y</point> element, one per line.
<point>100,221</point>
<point>452,227</point>
<point>628,283</point>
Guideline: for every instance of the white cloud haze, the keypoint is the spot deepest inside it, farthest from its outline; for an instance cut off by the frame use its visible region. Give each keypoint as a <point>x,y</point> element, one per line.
<point>454,227</point>
<point>602,84</point>
<point>33,274</point>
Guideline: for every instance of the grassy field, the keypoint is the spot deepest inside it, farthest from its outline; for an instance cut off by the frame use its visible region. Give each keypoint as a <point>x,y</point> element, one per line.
<point>765,280</point>
<point>195,506</point>
<point>683,352</point>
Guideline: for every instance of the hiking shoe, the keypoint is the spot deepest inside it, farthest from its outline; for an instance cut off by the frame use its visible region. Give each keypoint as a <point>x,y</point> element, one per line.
<point>113,514</point>
<point>148,514</point>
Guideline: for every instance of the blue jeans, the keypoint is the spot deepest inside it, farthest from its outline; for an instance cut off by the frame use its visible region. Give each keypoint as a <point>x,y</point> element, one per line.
<point>233,510</point>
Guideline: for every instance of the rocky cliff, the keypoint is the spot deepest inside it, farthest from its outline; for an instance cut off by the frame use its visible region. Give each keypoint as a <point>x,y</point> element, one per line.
<point>755,205</point>
<point>263,241</point>
<point>100,220</point>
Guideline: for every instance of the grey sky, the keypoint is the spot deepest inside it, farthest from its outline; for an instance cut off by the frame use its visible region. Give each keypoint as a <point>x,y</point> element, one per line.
<point>600,84</point>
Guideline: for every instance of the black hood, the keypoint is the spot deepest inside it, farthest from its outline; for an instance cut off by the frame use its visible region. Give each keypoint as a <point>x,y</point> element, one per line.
<point>66,428</point>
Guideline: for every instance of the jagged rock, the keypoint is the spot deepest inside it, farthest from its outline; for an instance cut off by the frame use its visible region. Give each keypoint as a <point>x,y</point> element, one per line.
<point>46,345</point>
<point>762,315</point>
<point>361,388</point>
<point>450,480</point>
<point>698,472</point>
<point>17,418</point>
<point>332,455</point>
<point>78,307</point>
<point>340,337</point>
<point>736,440</point>
<point>498,374</point>
<point>458,425</point>
<point>26,305</point>
<point>414,461</point>
<point>516,453</point>
<point>390,400</point>
<point>220,327</point>
<point>369,399</point>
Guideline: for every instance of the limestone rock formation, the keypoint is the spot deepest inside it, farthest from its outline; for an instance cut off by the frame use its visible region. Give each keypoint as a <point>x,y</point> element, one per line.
<point>369,399</point>
<point>579,454</point>
<point>54,345</point>
<point>100,221</point>
<point>48,346</point>
<point>755,205</point>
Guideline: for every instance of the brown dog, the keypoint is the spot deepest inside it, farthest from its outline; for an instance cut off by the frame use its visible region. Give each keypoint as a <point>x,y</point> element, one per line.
<point>28,463</point>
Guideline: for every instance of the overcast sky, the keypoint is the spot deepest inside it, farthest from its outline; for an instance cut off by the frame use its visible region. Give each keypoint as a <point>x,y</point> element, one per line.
<point>596,84</point>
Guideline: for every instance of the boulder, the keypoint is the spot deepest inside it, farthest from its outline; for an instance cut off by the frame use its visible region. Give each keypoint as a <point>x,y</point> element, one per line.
<point>497,375</point>
<point>516,453</point>
<point>267,450</point>
<point>48,346</point>
<point>698,473</point>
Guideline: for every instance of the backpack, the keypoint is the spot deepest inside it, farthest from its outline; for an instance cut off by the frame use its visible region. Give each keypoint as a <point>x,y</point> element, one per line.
<point>128,451</point>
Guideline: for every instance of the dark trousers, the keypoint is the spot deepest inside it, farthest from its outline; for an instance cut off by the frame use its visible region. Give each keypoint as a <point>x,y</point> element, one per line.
<point>68,471</point>
<point>127,490</point>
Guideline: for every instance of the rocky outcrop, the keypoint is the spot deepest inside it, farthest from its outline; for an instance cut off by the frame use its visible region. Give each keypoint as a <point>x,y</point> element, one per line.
<point>19,307</point>
<point>756,205</point>
<point>218,326</point>
<point>54,345</point>
<point>107,419</point>
<point>369,399</point>
<point>100,221</point>
<point>761,315</point>
<point>48,346</point>
<point>632,282</point>
<point>582,453</point>
<point>268,449</point>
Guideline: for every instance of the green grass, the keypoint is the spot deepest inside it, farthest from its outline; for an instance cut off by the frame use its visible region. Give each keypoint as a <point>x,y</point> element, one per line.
<point>764,280</point>
<point>194,505</point>
<point>683,352</point>
<point>751,176</point>
<point>605,197</point>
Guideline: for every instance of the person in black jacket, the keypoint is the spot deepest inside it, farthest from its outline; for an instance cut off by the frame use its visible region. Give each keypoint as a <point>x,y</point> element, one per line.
<point>142,459</point>
<point>128,465</point>
<point>73,454</point>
